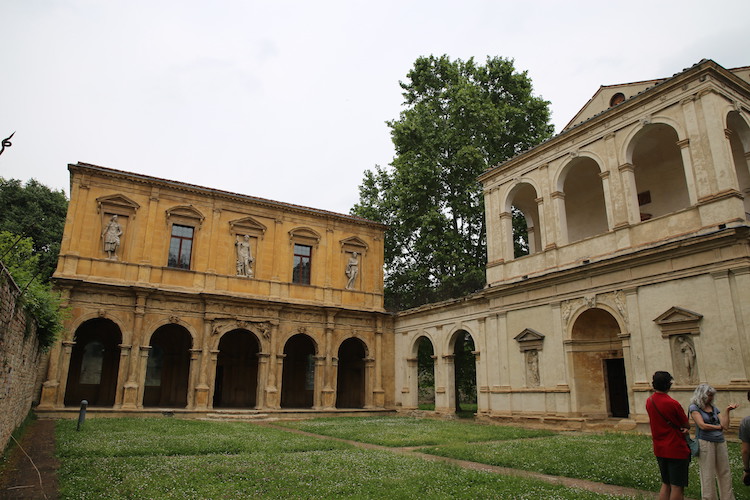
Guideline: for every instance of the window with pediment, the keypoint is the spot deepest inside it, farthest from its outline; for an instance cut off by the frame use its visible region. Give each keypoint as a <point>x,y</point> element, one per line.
<point>304,241</point>
<point>183,222</point>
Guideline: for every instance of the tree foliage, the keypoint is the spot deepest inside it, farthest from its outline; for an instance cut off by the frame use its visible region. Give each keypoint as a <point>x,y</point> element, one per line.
<point>38,299</point>
<point>35,211</point>
<point>460,118</point>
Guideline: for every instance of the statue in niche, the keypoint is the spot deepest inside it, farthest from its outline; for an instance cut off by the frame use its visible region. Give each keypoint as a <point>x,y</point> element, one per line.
<point>532,368</point>
<point>111,235</point>
<point>687,356</point>
<point>352,269</point>
<point>244,257</point>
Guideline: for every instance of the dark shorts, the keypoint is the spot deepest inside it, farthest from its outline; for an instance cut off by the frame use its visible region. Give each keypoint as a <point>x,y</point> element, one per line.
<point>674,471</point>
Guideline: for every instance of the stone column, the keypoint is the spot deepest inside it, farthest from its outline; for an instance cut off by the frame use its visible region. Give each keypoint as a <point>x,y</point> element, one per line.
<point>604,176</point>
<point>130,389</point>
<point>558,200</point>
<point>320,363</point>
<point>630,192</point>
<point>378,393</point>
<point>273,385</point>
<point>448,377</point>
<point>369,394</point>
<point>202,377</point>
<point>273,399</point>
<point>142,366</point>
<point>263,369</point>
<point>193,376</point>
<point>65,367</point>
<point>329,395</point>
<point>122,374</point>
<point>699,175</point>
<point>410,391</point>
<point>506,236</point>
<point>714,115</point>
<point>52,384</point>
<point>213,358</point>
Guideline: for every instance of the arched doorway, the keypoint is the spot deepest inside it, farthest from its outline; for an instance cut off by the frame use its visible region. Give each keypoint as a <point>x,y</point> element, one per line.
<point>739,143</point>
<point>350,380</point>
<point>599,365</point>
<point>236,383</point>
<point>585,208</point>
<point>298,374</point>
<point>659,171</point>
<point>465,370</point>
<point>425,374</point>
<point>168,368</point>
<point>527,234</point>
<point>94,364</point>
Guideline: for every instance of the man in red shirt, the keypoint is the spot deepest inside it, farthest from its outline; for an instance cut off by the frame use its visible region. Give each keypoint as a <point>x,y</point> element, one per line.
<point>669,424</point>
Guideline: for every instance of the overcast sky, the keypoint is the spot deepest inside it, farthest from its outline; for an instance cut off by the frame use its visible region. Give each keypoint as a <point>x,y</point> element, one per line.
<point>288,100</point>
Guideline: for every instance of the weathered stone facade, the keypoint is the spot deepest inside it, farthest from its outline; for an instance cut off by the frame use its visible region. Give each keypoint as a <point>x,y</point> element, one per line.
<point>20,359</point>
<point>193,299</point>
<point>639,260</point>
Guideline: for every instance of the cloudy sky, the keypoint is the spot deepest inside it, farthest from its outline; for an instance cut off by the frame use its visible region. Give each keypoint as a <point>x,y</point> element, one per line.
<point>288,100</point>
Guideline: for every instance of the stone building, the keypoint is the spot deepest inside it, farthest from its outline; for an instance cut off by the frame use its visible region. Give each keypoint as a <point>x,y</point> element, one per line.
<point>195,299</point>
<point>638,260</point>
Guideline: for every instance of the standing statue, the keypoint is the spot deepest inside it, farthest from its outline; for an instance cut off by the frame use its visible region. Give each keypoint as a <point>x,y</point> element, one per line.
<point>111,235</point>
<point>244,257</point>
<point>688,356</point>
<point>352,269</point>
<point>532,368</point>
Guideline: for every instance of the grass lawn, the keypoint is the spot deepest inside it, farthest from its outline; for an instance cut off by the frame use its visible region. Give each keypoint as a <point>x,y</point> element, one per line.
<point>170,458</point>
<point>404,431</point>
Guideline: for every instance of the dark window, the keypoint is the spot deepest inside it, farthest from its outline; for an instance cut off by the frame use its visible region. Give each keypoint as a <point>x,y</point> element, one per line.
<point>180,246</point>
<point>301,270</point>
<point>617,99</point>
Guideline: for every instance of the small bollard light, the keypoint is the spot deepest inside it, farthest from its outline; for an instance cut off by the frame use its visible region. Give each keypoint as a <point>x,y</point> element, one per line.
<point>82,414</point>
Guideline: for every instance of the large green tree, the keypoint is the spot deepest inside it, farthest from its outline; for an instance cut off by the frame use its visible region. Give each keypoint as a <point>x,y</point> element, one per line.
<point>35,211</point>
<point>460,118</point>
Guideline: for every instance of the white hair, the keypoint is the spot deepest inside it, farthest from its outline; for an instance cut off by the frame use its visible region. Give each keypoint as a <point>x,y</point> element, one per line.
<point>701,395</point>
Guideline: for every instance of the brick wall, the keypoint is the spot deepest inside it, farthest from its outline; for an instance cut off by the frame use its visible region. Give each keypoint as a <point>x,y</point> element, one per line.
<point>20,359</point>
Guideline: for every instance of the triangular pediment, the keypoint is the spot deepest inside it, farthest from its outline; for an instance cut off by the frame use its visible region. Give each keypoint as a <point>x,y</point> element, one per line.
<point>117,203</point>
<point>304,235</point>
<point>529,335</point>
<point>185,211</point>
<point>247,225</point>
<point>353,244</point>
<point>606,98</point>
<point>676,315</point>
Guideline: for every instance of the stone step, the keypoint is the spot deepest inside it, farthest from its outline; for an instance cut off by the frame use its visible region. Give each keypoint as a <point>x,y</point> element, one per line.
<point>238,416</point>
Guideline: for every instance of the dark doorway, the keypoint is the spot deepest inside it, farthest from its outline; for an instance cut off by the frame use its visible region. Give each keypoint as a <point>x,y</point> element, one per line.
<point>168,368</point>
<point>236,383</point>
<point>425,374</point>
<point>94,363</point>
<point>350,381</point>
<point>617,387</point>
<point>465,372</point>
<point>298,374</point>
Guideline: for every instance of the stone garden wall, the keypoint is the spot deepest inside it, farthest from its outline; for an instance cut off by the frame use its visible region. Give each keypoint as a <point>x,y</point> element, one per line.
<point>20,359</point>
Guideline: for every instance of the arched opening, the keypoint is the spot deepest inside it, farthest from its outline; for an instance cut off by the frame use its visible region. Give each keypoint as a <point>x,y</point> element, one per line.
<point>585,209</point>
<point>94,364</point>
<point>298,374</point>
<point>425,374</point>
<point>659,171</point>
<point>236,383</point>
<point>465,372</point>
<point>350,381</point>
<point>527,233</point>
<point>168,368</point>
<point>739,141</point>
<point>599,365</point>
